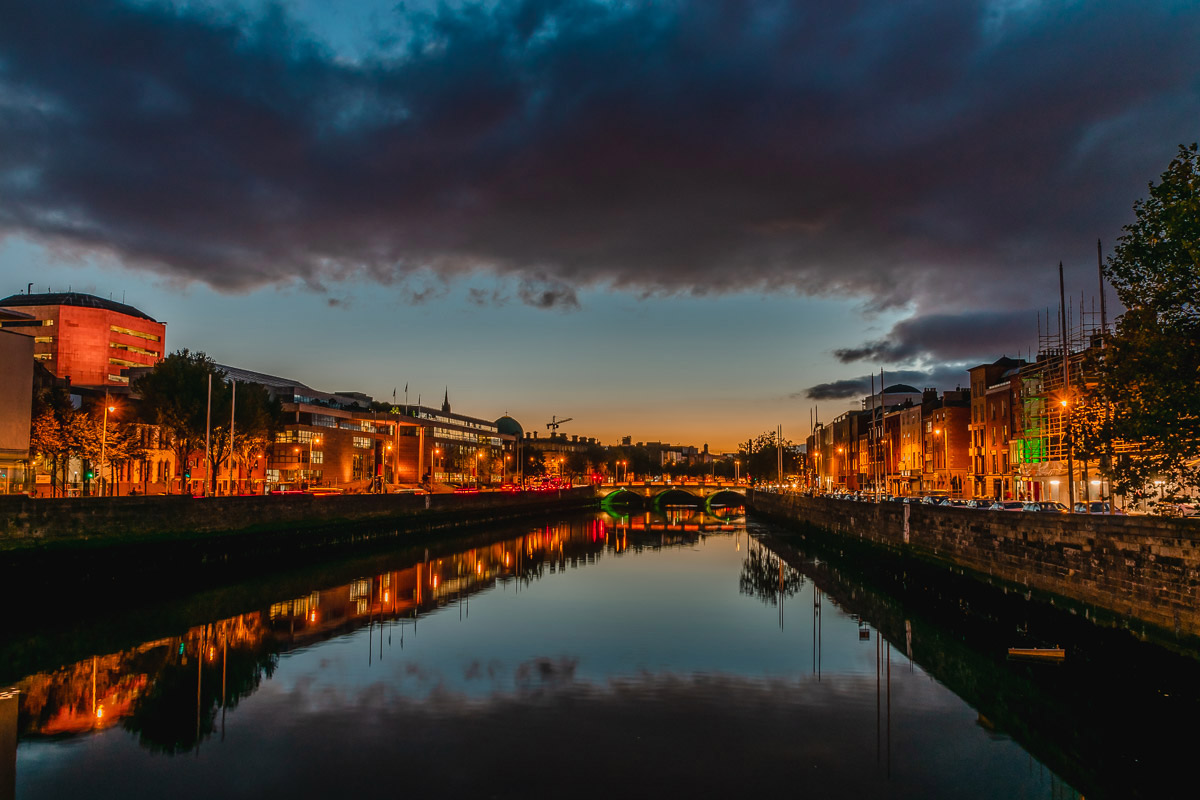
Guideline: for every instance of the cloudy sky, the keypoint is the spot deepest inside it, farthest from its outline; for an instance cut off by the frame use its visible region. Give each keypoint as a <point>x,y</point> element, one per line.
<point>680,221</point>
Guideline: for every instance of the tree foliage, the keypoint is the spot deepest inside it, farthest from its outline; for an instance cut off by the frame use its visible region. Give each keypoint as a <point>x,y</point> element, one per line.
<point>1150,371</point>
<point>175,397</point>
<point>760,457</point>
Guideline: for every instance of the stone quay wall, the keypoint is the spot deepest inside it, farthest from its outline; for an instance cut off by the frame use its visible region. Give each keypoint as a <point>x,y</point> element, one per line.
<point>1134,568</point>
<point>37,523</point>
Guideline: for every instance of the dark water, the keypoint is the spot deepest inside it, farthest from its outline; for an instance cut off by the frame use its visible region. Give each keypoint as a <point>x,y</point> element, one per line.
<point>596,657</point>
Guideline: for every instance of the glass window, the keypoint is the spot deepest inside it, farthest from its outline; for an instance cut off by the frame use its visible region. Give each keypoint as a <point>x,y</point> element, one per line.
<point>129,332</point>
<point>132,348</point>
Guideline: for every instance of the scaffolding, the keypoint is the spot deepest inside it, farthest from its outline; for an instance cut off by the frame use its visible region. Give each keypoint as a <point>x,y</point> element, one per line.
<point>1048,391</point>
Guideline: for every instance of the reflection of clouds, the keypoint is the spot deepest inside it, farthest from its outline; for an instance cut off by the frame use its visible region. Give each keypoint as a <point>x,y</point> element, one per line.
<point>540,674</point>
<point>704,735</point>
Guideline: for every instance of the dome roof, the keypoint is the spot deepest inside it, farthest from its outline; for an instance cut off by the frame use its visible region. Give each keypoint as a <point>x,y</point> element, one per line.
<point>901,388</point>
<point>509,426</point>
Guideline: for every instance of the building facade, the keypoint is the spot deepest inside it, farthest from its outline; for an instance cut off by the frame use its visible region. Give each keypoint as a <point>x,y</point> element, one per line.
<point>16,398</point>
<point>87,339</point>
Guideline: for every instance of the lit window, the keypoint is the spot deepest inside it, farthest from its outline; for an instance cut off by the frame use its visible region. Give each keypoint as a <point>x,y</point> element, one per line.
<point>43,339</point>
<point>118,378</point>
<point>129,332</point>
<point>132,348</point>
<point>362,442</point>
<point>42,356</point>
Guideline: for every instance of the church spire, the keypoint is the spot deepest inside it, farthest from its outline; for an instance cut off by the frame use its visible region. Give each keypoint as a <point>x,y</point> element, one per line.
<point>446,402</point>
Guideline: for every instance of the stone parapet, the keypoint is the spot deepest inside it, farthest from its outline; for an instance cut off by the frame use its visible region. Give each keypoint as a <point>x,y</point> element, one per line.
<point>1135,567</point>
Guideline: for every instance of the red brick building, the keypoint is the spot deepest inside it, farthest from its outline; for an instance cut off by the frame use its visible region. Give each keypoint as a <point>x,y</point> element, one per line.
<point>87,338</point>
<point>995,412</point>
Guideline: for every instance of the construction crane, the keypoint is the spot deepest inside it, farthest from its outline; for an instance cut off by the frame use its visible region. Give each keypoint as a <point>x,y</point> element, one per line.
<point>553,424</point>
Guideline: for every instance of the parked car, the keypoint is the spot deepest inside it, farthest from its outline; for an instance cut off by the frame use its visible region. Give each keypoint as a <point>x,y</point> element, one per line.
<point>1097,507</point>
<point>1052,507</point>
<point>1007,505</point>
<point>980,502</point>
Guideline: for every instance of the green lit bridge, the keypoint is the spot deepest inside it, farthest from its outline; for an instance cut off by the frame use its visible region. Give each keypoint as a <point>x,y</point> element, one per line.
<point>707,494</point>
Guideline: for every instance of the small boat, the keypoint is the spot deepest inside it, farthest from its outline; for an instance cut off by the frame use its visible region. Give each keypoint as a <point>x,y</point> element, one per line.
<point>1038,653</point>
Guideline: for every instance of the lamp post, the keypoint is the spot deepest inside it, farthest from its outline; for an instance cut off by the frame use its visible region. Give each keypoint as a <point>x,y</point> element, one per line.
<point>433,468</point>
<point>937,432</point>
<point>841,463</point>
<point>1067,434</point>
<point>312,440</point>
<point>103,442</point>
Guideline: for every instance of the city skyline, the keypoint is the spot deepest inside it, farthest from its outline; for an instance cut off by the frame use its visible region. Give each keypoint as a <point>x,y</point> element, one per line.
<point>652,219</point>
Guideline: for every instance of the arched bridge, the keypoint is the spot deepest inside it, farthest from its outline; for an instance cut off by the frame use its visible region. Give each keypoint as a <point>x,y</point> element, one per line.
<point>687,495</point>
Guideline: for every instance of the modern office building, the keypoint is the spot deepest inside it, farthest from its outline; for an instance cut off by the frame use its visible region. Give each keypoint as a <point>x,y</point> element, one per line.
<point>84,338</point>
<point>346,439</point>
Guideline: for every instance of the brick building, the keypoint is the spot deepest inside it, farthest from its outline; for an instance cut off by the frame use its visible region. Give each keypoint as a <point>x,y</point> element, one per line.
<point>995,415</point>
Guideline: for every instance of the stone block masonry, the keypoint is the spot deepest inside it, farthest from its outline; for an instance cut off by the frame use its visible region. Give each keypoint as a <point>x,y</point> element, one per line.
<point>1136,568</point>
<point>27,523</point>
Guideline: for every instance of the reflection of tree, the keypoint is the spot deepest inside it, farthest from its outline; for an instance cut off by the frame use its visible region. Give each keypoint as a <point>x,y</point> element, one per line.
<point>180,707</point>
<point>766,577</point>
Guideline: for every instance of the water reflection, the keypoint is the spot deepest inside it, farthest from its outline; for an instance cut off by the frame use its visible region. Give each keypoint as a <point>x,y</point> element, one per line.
<point>679,650</point>
<point>173,692</point>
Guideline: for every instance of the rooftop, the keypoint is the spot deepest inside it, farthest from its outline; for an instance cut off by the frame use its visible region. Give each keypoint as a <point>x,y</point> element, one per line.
<point>73,299</point>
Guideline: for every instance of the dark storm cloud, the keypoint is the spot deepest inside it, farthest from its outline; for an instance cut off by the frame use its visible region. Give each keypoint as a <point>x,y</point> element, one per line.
<point>953,337</point>
<point>947,376</point>
<point>925,151</point>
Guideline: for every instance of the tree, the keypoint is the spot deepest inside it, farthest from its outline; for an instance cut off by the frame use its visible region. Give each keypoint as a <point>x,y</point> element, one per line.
<point>257,418</point>
<point>47,439</point>
<point>760,457</point>
<point>1150,369</point>
<point>175,397</point>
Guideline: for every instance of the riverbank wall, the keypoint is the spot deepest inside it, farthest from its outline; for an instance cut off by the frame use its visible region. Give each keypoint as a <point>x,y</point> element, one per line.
<point>1133,570</point>
<point>63,525</point>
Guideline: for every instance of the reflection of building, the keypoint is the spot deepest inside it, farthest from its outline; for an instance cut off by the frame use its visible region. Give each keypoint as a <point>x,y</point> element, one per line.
<point>86,338</point>
<point>9,705</point>
<point>209,666</point>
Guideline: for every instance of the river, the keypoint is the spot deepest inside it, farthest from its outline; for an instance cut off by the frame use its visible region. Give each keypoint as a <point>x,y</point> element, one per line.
<point>654,655</point>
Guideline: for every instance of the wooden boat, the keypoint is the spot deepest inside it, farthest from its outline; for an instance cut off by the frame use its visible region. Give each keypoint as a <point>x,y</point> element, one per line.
<point>1038,653</point>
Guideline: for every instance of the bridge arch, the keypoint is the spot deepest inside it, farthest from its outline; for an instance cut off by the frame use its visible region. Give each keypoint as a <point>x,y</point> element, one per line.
<point>725,498</point>
<point>623,498</point>
<point>677,497</point>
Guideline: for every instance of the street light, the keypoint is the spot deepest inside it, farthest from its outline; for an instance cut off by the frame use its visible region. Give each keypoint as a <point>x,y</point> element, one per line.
<point>312,440</point>
<point>104,442</point>
<point>945,453</point>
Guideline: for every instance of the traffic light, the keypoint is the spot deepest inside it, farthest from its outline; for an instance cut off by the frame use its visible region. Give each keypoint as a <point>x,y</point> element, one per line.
<point>90,475</point>
<point>187,473</point>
